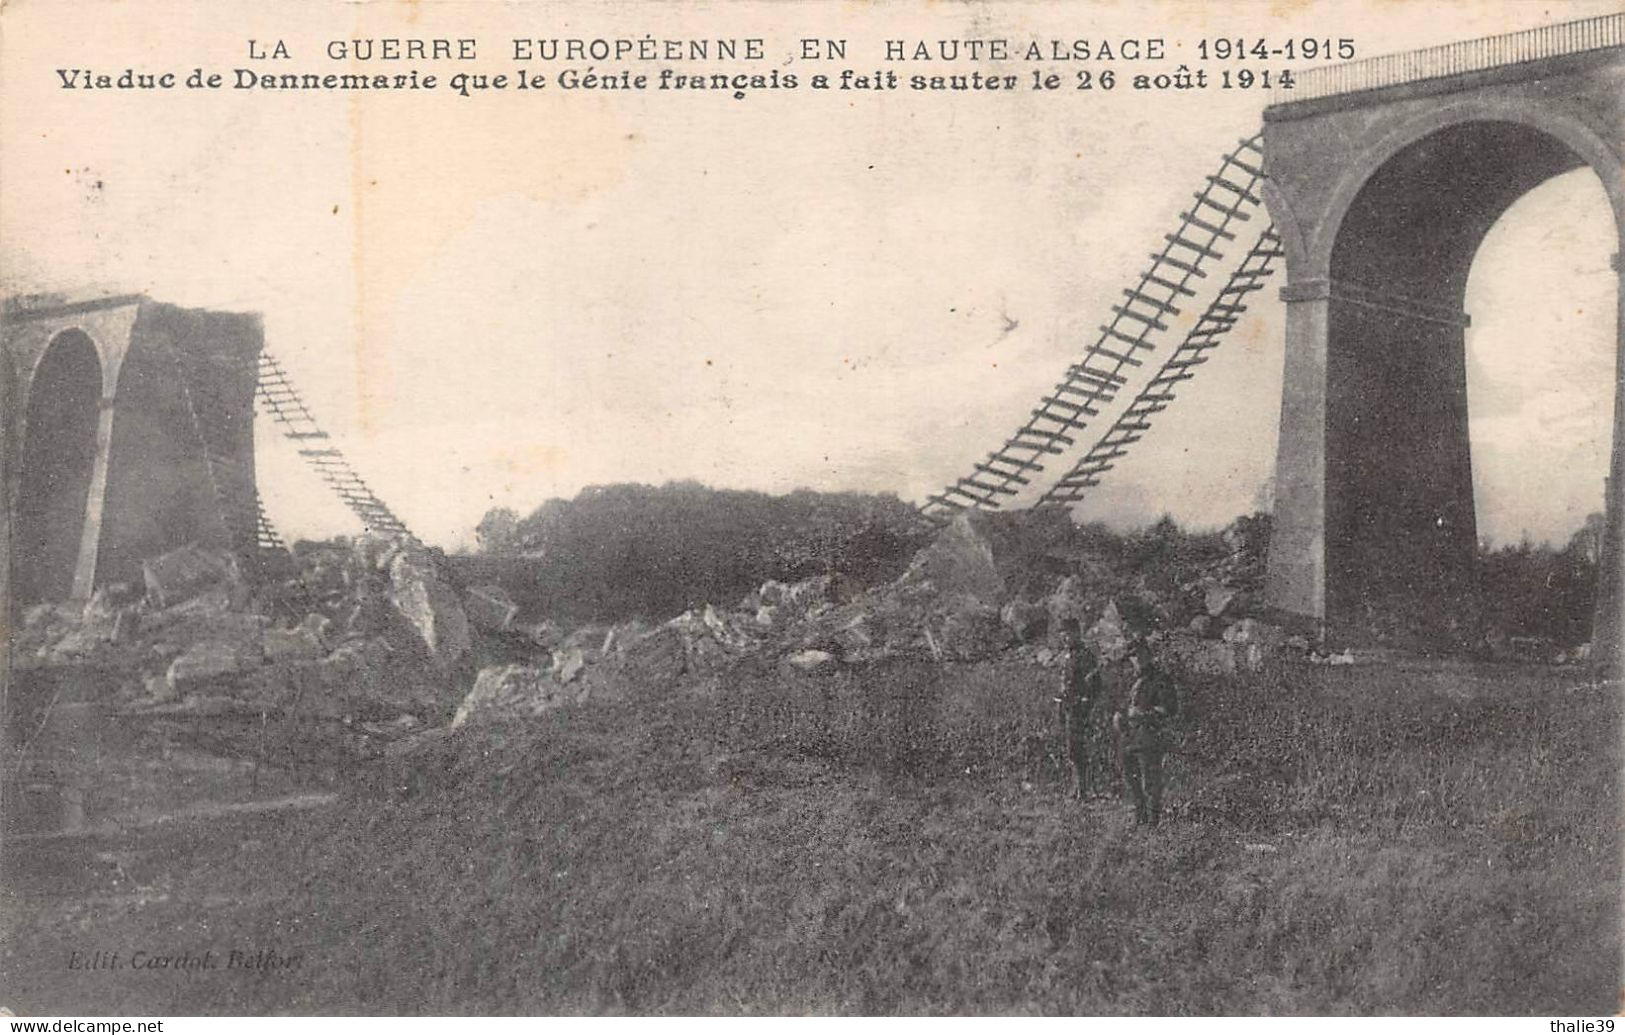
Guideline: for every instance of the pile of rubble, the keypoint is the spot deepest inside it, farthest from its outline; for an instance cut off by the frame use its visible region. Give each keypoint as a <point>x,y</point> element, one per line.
<point>371,633</point>
<point>367,634</point>
<point>951,604</point>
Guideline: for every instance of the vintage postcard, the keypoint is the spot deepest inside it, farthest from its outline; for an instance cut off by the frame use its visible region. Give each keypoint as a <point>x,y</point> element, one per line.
<point>897,508</point>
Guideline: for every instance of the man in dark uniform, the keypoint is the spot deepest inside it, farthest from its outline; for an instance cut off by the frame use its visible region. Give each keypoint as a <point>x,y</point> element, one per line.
<point>1142,728</point>
<point>1083,687</point>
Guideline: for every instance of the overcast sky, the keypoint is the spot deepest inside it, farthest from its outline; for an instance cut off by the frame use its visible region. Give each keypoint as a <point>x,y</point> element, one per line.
<point>500,299</point>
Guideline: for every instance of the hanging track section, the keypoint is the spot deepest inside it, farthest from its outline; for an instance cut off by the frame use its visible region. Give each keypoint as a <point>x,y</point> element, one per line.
<point>285,405</point>
<point>1217,320</point>
<point>1228,197</point>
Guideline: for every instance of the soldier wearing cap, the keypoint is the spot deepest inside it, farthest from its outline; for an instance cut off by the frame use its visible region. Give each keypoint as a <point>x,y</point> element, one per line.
<point>1143,729</point>
<point>1082,688</point>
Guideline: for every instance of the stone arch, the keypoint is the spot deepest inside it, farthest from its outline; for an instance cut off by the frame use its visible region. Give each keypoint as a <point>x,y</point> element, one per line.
<point>1393,250</point>
<point>61,421</point>
<point>1591,148</point>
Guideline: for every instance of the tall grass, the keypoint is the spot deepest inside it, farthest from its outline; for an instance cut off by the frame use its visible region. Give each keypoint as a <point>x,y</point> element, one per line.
<point>1369,840</point>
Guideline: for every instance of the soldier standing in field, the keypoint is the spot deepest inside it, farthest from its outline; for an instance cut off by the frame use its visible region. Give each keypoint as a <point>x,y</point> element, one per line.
<point>1142,728</point>
<point>1083,687</point>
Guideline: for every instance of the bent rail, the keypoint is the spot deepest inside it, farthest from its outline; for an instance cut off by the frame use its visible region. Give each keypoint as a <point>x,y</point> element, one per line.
<point>1220,316</point>
<point>1095,380</point>
<point>288,408</point>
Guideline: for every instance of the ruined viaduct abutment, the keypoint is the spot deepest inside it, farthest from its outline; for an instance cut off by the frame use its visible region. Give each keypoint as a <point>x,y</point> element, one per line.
<point>130,431</point>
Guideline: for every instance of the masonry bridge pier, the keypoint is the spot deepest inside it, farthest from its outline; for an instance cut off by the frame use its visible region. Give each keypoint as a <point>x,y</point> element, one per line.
<point>1383,178</point>
<point>130,432</point>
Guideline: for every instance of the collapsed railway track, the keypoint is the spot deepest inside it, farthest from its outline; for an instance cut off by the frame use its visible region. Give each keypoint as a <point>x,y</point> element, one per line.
<point>287,408</point>
<point>1220,316</point>
<point>1230,195</point>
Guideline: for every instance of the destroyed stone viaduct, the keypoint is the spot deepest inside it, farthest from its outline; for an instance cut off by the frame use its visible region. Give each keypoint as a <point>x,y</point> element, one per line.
<point>129,423</point>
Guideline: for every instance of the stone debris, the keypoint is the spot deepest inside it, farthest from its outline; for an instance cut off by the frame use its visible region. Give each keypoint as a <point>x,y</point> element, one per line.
<point>202,664</point>
<point>187,572</point>
<point>959,562</point>
<point>1574,655</point>
<point>491,608</point>
<point>546,635</point>
<point>159,688</point>
<point>431,606</point>
<point>568,665</point>
<point>511,691</point>
<point>970,629</point>
<point>1026,621</point>
<point>1109,636</point>
<point>810,660</point>
<point>303,641</point>
<point>1252,631</point>
<point>125,625</point>
<point>341,636</point>
<point>1201,657</point>
<point>1070,602</point>
<point>1345,658</point>
<point>794,599</point>
<point>1217,599</point>
<point>375,634</point>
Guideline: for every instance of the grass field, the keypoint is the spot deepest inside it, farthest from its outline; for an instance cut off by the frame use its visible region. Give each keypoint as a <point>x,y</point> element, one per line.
<point>1399,838</point>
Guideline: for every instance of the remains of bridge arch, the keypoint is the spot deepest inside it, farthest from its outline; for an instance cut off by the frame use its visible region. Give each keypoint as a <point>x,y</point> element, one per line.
<point>1384,177</point>
<point>129,432</point>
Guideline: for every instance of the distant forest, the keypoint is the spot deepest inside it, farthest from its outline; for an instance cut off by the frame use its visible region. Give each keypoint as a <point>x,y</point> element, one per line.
<point>621,551</point>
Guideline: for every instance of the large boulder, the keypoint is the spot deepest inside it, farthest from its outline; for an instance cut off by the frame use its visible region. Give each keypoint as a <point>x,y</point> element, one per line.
<point>107,602</point>
<point>1069,601</point>
<point>375,552</point>
<point>430,606</point>
<point>490,608</point>
<point>1026,621</point>
<point>1251,630</point>
<point>971,631</point>
<point>201,665</point>
<point>1200,657</point>
<point>856,637</point>
<point>568,664</point>
<point>655,661</point>
<point>736,634</point>
<point>187,572</point>
<point>1217,599</point>
<point>1109,636</point>
<point>959,562</point>
<point>810,660</point>
<point>511,691</point>
<point>299,643</point>
<point>369,678</point>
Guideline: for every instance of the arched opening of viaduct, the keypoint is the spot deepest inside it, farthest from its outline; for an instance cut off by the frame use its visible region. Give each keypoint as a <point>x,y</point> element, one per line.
<point>1401,523</point>
<point>56,467</point>
<point>1384,200</point>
